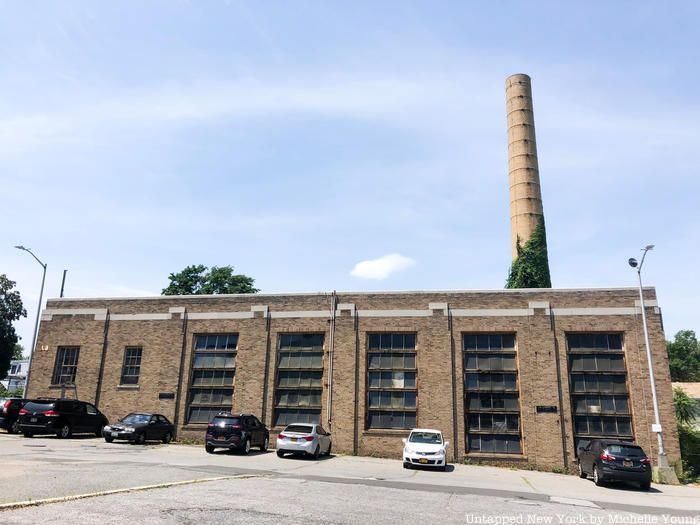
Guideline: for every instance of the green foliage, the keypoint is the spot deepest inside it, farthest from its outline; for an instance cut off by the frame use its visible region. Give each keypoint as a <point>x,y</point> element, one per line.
<point>18,351</point>
<point>11,309</point>
<point>684,356</point>
<point>530,269</point>
<point>686,407</point>
<point>689,439</point>
<point>198,279</point>
<point>4,392</point>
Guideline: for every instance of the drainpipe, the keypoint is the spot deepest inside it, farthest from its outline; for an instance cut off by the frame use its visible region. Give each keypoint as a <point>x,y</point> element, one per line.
<point>331,349</point>
<point>103,355</point>
<point>178,394</point>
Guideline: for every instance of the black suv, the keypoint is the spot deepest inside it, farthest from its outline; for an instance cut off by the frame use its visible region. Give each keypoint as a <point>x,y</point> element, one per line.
<point>9,412</point>
<point>62,417</point>
<point>236,432</point>
<point>612,460</point>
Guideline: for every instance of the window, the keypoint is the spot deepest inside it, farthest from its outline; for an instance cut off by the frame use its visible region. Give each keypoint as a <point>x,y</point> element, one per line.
<point>132,365</point>
<point>598,387</point>
<point>13,369</point>
<point>299,379</point>
<point>213,376</point>
<point>391,380</point>
<point>66,365</point>
<point>491,405</point>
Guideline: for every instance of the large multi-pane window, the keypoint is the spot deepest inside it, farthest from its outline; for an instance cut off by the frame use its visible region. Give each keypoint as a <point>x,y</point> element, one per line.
<point>213,375</point>
<point>66,365</point>
<point>491,405</point>
<point>391,380</point>
<point>299,376</point>
<point>598,387</point>
<point>132,365</point>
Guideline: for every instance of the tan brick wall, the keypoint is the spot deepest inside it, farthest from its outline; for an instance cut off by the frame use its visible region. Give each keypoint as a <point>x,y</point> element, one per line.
<point>540,344</point>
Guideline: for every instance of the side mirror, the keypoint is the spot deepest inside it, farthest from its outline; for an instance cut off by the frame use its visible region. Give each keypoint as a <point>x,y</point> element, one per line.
<point>403,440</point>
<point>447,444</point>
<point>151,422</point>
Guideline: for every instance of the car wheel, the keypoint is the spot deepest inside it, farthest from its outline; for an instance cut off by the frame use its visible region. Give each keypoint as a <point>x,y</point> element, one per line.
<point>406,464</point>
<point>581,473</point>
<point>443,468</point>
<point>646,485</point>
<point>209,449</point>
<point>109,439</point>
<point>141,439</point>
<point>65,431</point>
<point>266,443</point>
<point>99,430</point>
<point>246,447</point>
<point>27,434</point>
<point>317,452</point>
<point>328,452</point>
<point>14,429</point>
<point>597,479</point>
<point>280,454</point>
<point>167,438</point>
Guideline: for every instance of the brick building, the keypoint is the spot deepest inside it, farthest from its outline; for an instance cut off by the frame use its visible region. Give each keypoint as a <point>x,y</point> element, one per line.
<point>516,376</point>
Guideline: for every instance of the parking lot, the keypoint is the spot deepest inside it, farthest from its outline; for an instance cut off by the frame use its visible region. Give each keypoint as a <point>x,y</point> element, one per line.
<point>223,487</point>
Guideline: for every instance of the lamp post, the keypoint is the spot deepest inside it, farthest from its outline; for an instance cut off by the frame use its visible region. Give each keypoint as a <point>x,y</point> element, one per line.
<point>656,427</point>
<point>38,314</point>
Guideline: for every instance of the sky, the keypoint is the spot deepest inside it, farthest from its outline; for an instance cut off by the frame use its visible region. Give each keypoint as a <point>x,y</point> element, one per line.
<point>350,146</point>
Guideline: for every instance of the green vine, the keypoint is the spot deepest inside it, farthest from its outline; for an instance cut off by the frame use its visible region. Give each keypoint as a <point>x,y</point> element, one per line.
<point>530,269</point>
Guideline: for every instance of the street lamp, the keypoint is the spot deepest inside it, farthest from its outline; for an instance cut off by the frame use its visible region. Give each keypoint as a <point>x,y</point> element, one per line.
<point>38,314</point>
<point>656,427</point>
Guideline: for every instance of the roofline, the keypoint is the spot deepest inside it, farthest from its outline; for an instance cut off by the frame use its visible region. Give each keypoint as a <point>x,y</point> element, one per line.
<point>382,292</point>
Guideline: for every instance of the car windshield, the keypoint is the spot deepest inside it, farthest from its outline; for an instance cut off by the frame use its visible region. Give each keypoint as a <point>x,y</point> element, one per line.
<point>624,450</point>
<point>135,419</point>
<point>426,437</point>
<point>34,406</point>
<point>223,420</point>
<point>301,429</point>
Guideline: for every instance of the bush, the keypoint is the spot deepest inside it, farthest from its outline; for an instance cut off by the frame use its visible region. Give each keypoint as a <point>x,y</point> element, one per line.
<point>4,392</point>
<point>690,451</point>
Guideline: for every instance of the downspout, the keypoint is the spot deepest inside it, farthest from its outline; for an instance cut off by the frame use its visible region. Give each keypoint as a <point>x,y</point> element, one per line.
<point>331,349</point>
<point>565,452</point>
<point>355,428</point>
<point>455,433</point>
<point>178,395</point>
<point>101,372</point>
<point>266,372</point>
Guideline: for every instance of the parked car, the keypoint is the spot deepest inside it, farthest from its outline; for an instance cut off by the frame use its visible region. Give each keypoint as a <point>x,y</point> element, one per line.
<point>305,439</point>
<point>63,417</point>
<point>425,447</point>
<point>612,460</point>
<point>9,413</point>
<point>140,427</point>
<point>236,432</point>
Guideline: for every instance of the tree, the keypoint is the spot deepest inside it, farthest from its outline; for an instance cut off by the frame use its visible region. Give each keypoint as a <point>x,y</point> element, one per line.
<point>18,351</point>
<point>11,309</point>
<point>198,279</point>
<point>530,269</point>
<point>686,407</point>
<point>684,356</point>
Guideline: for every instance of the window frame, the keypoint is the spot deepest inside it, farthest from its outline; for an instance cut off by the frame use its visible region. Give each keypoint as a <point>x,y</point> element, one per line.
<point>126,365</point>
<point>60,366</point>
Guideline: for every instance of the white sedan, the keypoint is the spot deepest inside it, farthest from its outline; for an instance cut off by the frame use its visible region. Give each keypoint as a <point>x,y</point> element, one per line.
<point>304,439</point>
<point>425,447</point>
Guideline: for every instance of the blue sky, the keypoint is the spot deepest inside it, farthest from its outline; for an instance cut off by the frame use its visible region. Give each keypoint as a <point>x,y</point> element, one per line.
<point>294,140</point>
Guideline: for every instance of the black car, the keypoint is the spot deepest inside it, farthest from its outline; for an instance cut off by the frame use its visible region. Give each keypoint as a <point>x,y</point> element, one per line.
<point>63,417</point>
<point>236,432</point>
<point>612,460</point>
<point>9,412</point>
<point>140,427</point>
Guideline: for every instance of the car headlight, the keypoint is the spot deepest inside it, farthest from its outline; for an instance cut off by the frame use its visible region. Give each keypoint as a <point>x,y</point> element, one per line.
<point>408,450</point>
<point>128,429</point>
<point>107,428</point>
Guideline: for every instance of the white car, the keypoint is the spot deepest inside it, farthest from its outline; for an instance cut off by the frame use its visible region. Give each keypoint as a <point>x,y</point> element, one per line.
<point>306,439</point>
<point>425,447</point>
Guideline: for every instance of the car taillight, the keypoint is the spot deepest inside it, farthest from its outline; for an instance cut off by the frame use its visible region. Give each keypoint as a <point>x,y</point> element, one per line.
<point>211,425</point>
<point>309,438</point>
<point>23,411</point>
<point>607,457</point>
<point>50,413</point>
<point>645,461</point>
<point>281,436</point>
<point>7,405</point>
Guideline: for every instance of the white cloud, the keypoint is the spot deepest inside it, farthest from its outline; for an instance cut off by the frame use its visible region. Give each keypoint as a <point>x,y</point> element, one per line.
<point>382,267</point>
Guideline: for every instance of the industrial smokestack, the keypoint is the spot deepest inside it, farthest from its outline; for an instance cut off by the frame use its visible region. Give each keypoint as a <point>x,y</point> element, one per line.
<point>523,170</point>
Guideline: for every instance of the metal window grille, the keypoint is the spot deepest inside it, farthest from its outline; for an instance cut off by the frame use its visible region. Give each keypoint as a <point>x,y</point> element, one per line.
<point>132,365</point>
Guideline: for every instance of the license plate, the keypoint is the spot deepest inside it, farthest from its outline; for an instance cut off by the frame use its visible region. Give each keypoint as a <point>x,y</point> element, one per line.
<point>294,440</point>
<point>115,434</point>
<point>32,420</point>
<point>626,463</point>
<point>422,460</point>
